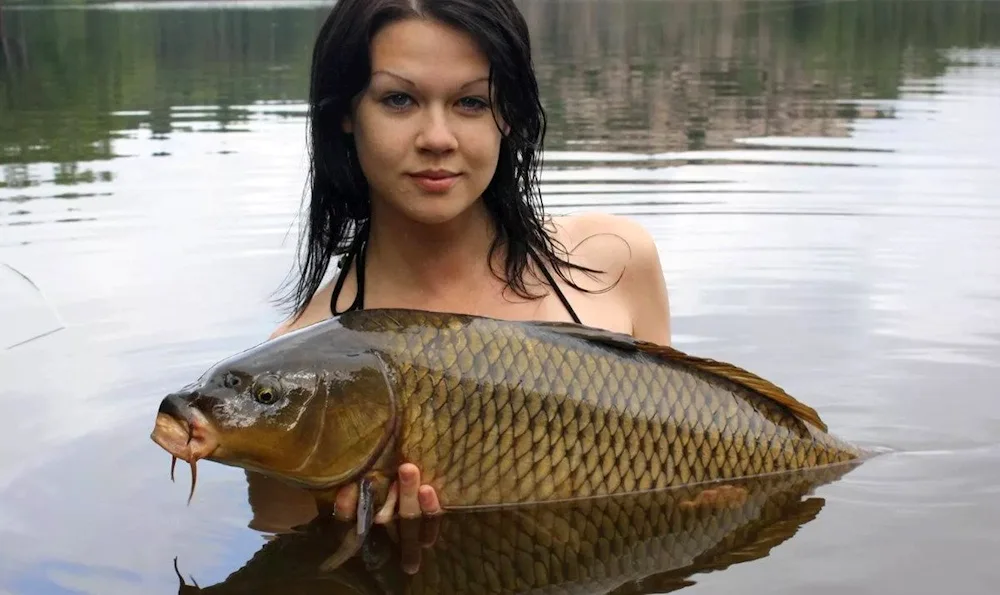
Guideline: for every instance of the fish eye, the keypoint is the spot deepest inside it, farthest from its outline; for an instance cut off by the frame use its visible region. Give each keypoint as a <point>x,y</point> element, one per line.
<point>266,391</point>
<point>265,395</point>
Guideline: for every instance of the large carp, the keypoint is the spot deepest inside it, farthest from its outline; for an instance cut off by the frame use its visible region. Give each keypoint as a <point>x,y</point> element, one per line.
<point>492,412</point>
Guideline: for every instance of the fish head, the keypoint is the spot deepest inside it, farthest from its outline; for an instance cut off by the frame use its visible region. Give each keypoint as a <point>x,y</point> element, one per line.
<point>315,414</point>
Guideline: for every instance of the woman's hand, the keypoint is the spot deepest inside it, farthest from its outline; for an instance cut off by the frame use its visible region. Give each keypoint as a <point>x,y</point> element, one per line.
<point>415,500</point>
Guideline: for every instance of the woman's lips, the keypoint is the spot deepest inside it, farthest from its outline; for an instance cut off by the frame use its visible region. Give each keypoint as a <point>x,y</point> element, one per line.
<point>435,182</point>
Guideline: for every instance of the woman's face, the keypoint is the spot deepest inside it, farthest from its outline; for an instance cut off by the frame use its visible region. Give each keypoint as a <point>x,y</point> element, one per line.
<point>424,128</point>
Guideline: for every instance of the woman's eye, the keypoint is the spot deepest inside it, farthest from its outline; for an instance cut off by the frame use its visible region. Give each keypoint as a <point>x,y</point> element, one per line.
<point>473,103</point>
<point>396,100</point>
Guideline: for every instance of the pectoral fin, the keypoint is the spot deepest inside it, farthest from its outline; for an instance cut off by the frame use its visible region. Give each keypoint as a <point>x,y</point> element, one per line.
<point>371,493</point>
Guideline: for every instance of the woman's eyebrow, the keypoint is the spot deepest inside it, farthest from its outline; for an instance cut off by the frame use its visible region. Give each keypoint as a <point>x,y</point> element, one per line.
<point>412,84</point>
<point>395,76</point>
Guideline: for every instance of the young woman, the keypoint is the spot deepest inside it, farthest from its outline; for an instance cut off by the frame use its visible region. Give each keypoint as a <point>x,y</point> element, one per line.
<point>426,128</point>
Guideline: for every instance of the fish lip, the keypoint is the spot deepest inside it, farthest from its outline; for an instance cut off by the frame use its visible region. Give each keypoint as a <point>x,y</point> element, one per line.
<point>188,439</point>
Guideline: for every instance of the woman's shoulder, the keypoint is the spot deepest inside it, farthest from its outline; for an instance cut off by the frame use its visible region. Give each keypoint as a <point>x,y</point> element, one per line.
<point>576,229</point>
<point>316,310</point>
<point>627,255</point>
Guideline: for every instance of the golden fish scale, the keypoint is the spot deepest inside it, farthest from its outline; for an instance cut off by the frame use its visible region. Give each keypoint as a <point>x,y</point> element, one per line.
<point>503,413</point>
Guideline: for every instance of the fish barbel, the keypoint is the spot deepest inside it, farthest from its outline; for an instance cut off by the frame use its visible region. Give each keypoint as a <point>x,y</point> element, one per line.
<point>492,412</point>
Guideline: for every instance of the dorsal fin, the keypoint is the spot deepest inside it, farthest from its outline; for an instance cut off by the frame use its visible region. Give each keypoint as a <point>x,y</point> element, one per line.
<point>719,369</point>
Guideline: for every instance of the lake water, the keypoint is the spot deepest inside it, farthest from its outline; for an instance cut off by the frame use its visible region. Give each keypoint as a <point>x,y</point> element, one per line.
<point>821,177</point>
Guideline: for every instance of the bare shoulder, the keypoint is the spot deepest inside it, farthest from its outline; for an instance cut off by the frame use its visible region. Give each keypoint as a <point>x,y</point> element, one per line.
<point>585,227</point>
<point>627,254</point>
<point>317,310</point>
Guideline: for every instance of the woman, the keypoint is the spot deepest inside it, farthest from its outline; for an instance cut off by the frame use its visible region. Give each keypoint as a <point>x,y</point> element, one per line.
<point>426,128</point>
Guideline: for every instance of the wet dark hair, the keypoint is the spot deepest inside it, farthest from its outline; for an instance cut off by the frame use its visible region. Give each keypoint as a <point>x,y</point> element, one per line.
<point>339,207</point>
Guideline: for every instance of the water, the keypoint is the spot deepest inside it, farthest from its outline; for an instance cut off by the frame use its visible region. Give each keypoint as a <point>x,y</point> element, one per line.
<point>820,177</point>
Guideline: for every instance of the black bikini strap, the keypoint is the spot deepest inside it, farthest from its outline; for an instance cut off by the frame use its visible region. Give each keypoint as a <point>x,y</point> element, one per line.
<point>555,288</point>
<point>359,298</point>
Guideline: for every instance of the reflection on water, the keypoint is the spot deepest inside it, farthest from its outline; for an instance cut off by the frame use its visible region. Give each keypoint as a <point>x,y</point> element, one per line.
<point>820,177</point>
<point>622,76</point>
<point>645,543</point>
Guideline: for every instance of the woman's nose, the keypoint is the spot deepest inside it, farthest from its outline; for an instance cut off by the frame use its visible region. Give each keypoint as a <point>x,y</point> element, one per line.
<point>436,134</point>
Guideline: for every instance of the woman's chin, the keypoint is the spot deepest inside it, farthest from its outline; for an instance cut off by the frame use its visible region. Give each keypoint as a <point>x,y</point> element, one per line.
<point>441,212</point>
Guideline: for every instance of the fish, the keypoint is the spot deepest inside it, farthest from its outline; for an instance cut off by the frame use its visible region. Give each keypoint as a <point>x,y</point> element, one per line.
<point>631,544</point>
<point>493,412</point>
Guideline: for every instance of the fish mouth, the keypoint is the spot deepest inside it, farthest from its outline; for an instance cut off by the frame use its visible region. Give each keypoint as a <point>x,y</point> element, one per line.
<point>186,434</point>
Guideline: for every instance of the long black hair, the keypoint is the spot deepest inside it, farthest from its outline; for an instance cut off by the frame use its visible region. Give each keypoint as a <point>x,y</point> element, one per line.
<point>339,206</point>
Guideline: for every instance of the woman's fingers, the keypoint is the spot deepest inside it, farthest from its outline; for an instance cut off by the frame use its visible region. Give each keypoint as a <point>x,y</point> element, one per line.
<point>413,500</point>
<point>388,511</point>
<point>428,500</point>
<point>409,485</point>
<point>347,502</point>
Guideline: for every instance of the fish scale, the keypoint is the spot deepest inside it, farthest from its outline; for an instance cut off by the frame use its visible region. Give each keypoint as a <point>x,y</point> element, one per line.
<point>558,415</point>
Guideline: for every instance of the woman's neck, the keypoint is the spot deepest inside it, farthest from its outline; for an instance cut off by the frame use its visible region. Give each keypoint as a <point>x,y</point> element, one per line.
<point>416,264</point>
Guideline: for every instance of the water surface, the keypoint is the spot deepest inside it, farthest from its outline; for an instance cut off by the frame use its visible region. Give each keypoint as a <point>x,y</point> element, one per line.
<point>821,178</point>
